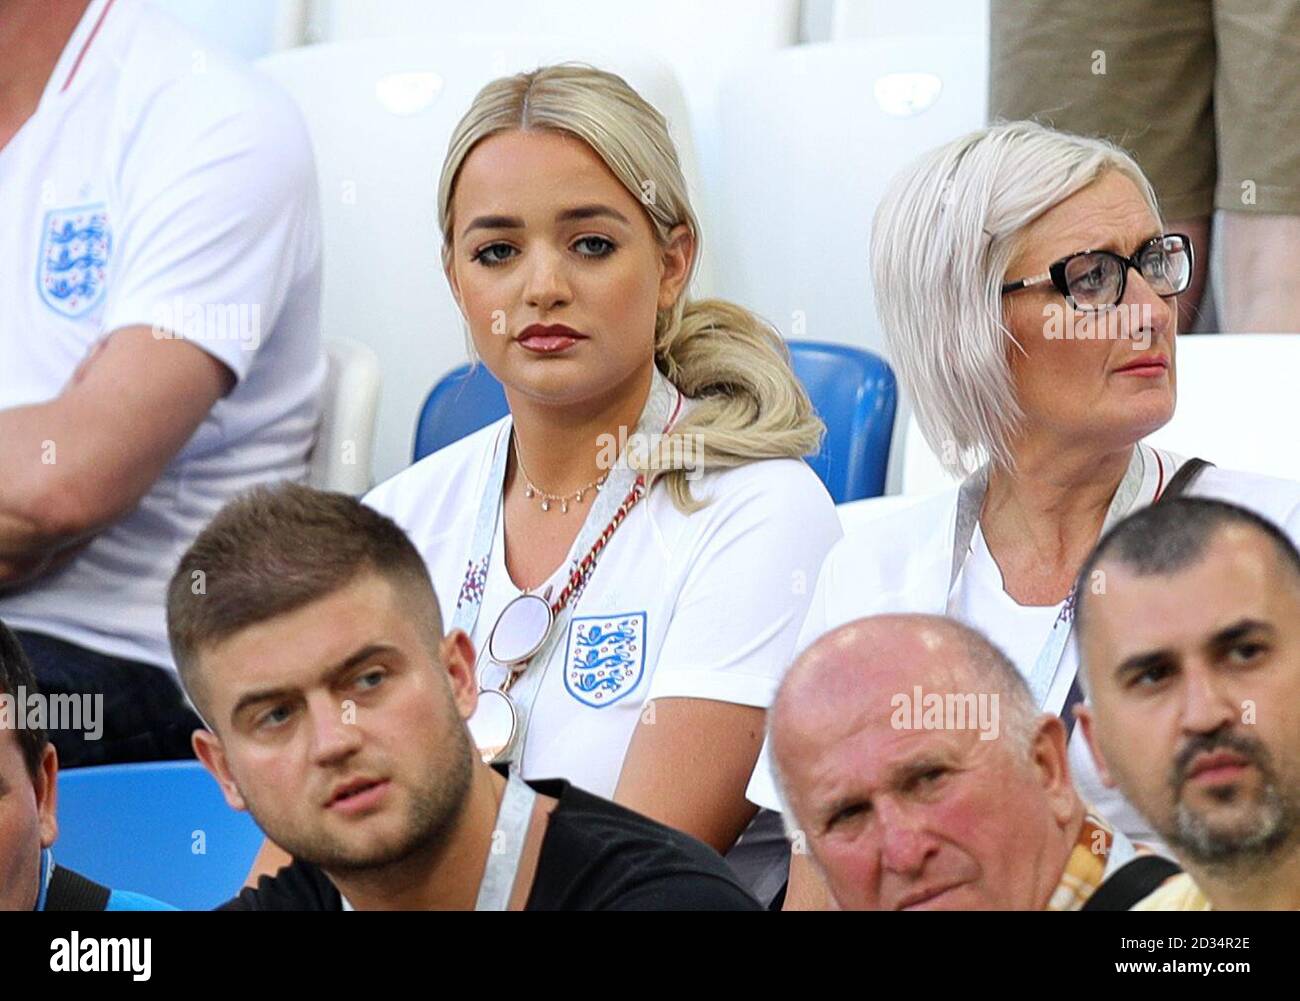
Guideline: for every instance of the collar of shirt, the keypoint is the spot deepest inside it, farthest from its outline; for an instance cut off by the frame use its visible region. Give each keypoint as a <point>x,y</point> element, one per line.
<point>1087,866</point>
<point>1180,893</point>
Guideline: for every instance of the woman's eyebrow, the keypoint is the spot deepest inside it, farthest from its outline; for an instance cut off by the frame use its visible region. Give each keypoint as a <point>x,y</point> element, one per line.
<point>590,212</point>
<point>494,222</point>
<point>566,215</point>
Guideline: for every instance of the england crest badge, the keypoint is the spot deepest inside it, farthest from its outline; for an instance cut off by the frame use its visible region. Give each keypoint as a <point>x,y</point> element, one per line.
<point>71,271</point>
<point>605,657</point>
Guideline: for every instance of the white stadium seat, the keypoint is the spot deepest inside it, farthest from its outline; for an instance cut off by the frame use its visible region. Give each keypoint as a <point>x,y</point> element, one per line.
<point>380,114</point>
<point>345,438</point>
<point>252,31</point>
<point>810,137</point>
<point>881,18</point>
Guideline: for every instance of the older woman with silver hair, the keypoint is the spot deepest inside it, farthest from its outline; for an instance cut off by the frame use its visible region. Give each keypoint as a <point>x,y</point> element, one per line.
<point>1028,288</point>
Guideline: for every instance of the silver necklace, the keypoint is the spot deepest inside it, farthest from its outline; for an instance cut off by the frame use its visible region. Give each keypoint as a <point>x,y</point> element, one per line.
<point>531,490</point>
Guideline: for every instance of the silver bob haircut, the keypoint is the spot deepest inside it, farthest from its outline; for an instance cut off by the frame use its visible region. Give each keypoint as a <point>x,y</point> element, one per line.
<point>942,240</point>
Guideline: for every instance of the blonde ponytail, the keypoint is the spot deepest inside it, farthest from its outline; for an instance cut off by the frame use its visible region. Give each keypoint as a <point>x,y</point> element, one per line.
<point>751,405</point>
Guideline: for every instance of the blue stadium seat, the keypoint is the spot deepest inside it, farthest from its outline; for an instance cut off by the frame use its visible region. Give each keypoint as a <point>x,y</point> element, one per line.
<point>853,390</point>
<point>854,393</point>
<point>160,828</point>
<point>465,399</point>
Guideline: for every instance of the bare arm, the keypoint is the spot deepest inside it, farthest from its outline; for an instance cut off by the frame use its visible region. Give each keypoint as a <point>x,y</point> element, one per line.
<point>688,765</point>
<point>75,464</point>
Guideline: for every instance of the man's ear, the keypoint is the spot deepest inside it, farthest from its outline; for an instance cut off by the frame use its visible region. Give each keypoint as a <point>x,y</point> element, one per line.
<point>1052,763</point>
<point>1086,720</point>
<point>458,657</point>
<point>675,259</point>
<point>210,752</point>
<point>47,795</point>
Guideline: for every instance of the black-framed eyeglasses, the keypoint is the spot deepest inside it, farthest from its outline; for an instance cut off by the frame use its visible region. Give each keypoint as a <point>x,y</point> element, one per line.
<point>1096,279</point>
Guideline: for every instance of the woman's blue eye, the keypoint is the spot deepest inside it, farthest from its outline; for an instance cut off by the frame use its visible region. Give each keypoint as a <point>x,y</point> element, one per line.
<point>598,246</point>
<point>494,254</point>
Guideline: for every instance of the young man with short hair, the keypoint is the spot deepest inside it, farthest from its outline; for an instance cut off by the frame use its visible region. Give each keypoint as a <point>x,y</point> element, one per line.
<point>308,634</point>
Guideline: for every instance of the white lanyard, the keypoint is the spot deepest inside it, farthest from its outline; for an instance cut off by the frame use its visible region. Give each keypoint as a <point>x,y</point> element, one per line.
<point>508,837</point>
<point>969,502</point>
<point>661,406</point>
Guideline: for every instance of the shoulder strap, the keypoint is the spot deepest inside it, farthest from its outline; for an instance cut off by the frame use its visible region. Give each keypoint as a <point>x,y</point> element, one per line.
<point>1131,883</point>
<point>1182,480</point>
<point>71,891</point>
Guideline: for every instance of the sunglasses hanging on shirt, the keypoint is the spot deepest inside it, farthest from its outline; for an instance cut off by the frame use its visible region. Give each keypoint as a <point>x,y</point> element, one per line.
<point>519,634</point>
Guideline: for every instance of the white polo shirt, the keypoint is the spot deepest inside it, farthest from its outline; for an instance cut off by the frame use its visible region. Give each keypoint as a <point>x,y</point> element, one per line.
<point>705,606</point>
<point>902,563</point>
<point>160,183</point>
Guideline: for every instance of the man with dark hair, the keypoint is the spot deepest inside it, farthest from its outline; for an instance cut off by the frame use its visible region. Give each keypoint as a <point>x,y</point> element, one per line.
<point>29,768</point>
<point>307,632</point>
<point>1188,623</point>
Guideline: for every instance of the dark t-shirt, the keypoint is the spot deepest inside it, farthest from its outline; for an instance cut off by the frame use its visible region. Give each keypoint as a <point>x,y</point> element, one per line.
<point>596,856</point>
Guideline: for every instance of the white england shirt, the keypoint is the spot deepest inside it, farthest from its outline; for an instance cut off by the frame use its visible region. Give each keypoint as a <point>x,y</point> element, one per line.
<point>902,563</point>
<point>705,606</point>
<point>160,183</point>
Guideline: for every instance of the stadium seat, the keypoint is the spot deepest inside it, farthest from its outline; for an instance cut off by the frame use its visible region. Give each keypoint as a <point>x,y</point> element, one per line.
<point>251,31</point>
<point>161,828</point>
<point>1236,408</point>
<point>380,113</point>
<point>852,390</point>
<point>854,393</point>
<point>848,19</point>
<point>340,459</point>
<point>810,137</point>
<point>465,399</point>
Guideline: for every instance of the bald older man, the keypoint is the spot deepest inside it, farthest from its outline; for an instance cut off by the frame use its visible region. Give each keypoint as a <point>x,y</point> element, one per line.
<point>917,771</point>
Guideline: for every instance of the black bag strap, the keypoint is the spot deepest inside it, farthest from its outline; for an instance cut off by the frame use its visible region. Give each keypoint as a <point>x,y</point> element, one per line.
<point>1182,480</point>
<point>71,891</point>
<point>1132,882</point>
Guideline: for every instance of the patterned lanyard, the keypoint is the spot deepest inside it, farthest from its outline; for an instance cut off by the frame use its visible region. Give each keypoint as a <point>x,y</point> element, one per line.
<point>971,500</point>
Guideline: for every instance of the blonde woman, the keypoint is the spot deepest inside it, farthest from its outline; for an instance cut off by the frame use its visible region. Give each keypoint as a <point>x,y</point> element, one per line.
<point>647,486</point>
